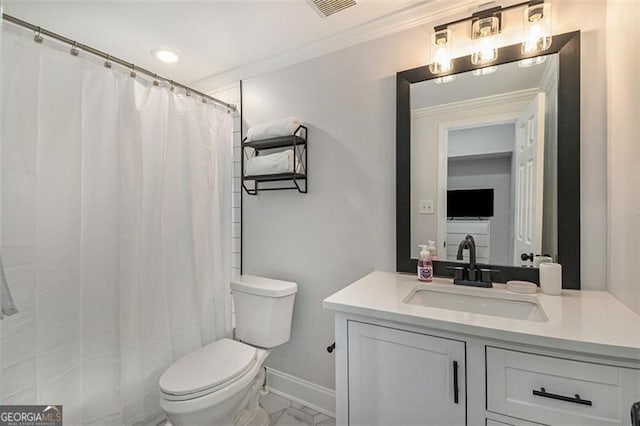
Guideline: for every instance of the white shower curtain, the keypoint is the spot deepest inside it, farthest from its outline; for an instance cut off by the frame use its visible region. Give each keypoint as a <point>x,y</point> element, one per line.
<point>116,204</point>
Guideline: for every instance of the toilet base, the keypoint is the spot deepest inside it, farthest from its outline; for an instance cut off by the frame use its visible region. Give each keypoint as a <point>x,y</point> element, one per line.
<point>261,418</point>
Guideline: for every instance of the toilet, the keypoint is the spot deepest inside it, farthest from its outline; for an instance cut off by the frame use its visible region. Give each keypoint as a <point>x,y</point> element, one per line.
<point>219,384</point>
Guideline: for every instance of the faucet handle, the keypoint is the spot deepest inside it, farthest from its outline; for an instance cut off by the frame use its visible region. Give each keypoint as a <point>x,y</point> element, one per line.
<point>485,274</point>
<point>458,272</point>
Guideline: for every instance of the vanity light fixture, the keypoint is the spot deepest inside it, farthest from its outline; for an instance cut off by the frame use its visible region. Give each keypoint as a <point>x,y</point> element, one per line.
<point>486,26</point>
<point>537,28</point>
<point>441,51</point>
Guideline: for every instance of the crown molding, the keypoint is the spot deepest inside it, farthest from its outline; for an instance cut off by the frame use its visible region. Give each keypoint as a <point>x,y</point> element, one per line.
<point>484,102</point>
<point>414,16</point>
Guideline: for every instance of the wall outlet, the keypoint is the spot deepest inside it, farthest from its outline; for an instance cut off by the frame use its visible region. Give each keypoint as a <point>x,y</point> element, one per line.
<point>426,207</point>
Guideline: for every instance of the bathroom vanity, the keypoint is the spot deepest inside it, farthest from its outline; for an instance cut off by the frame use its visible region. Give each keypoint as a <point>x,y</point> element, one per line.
<point>417,353</point>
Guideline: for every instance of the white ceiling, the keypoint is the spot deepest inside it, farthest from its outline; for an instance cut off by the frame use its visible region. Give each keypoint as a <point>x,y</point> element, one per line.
<point>211,37</point>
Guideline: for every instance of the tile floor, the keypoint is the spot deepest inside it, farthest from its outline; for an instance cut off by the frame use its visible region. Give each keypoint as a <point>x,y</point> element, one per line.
<point>283,412</point>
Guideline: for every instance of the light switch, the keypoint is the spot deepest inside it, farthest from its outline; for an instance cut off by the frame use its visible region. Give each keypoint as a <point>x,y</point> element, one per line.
<point>426,207</point>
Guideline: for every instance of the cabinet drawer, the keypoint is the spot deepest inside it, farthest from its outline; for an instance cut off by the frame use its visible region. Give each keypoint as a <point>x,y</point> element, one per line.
<point>559,391</point>
<point>468,227</point>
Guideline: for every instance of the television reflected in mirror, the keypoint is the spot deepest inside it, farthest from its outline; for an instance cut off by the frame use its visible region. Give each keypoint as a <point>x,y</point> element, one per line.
<point>470,203</point>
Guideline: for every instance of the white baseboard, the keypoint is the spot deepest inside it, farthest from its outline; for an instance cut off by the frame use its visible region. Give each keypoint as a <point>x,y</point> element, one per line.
<point>302,391</point>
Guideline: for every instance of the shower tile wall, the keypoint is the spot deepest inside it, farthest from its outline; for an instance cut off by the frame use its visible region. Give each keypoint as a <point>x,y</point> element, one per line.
<point>231,94</point>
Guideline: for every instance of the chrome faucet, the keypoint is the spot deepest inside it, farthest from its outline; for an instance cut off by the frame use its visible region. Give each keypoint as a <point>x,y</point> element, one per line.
<point>471,276</point>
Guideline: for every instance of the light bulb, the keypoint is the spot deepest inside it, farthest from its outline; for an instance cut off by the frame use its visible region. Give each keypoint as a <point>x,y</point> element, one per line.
<point>441,52</point>
<point>537,28</point>
<point>484,32</point>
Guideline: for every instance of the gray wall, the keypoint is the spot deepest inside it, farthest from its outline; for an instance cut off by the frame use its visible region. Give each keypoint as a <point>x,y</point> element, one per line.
<point>494,173</point>
<point>345,227</point>
<point>494,139</point>
<point>623,61</point>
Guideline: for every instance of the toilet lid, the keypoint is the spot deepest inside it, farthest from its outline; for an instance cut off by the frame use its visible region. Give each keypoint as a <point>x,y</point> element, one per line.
<point>208,367</point>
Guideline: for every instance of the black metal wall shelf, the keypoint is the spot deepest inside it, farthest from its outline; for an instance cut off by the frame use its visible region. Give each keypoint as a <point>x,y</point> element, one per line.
<point>279,142</point>
<point>298,178</point>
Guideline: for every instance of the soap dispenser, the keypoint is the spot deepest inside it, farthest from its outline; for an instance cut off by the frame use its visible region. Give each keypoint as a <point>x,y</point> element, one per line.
<point>433,252</point>
<point>425,266</point>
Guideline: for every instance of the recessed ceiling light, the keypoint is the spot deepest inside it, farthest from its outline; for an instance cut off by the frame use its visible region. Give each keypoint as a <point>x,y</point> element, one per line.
<point>165,55</point>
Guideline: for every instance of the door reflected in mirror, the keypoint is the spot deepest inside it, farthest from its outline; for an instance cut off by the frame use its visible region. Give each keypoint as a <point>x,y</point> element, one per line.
<point>484,162</point>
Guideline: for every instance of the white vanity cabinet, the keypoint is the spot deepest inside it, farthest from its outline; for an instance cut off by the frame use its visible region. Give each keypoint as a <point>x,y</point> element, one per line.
<point>390,374</point>
<point>401,363</point>
<point>401,377</point>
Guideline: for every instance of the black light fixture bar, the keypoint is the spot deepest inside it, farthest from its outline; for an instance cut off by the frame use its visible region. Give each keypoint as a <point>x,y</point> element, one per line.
<point>492,11</point>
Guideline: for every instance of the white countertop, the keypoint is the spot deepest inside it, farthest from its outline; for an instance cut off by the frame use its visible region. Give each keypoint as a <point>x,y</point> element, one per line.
<point>592,322</point>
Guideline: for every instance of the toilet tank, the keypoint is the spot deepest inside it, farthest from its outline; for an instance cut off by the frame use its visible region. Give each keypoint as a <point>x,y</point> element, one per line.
<point>263,308</point>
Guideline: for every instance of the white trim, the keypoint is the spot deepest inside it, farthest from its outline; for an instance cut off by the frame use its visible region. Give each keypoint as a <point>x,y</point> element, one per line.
<point>410,17</point>
<point>484,102</point>
<point>302,391</point>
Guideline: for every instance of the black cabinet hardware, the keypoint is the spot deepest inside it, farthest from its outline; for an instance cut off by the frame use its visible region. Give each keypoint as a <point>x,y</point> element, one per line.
<point>635,414</point>
<point>456,390</point>
<point>525,257</point>
<point>576,399</point>
<point>331,347</point>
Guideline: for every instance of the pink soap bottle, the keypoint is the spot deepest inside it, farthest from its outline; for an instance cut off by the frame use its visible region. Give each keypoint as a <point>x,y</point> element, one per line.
<point>425,266</point>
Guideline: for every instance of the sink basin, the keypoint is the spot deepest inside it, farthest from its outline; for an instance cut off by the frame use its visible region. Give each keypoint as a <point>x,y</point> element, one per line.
<point>478,301</point>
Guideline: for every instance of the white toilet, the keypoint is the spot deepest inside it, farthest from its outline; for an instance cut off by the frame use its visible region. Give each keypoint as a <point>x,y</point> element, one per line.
<point>219,383</point>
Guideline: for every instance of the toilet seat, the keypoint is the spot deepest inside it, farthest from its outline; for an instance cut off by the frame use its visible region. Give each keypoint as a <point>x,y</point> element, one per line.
<point>207,370</point>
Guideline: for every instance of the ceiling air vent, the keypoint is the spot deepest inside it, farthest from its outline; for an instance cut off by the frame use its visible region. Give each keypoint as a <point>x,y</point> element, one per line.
<point>329,7</point>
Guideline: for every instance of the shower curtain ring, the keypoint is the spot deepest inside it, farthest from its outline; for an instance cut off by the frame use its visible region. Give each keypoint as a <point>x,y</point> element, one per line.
<point>38,38</point>
<point>155,80</point>
<point>133,71</point>
<point>171,87</point>
<point>107,63</point>
<point>74,50</point>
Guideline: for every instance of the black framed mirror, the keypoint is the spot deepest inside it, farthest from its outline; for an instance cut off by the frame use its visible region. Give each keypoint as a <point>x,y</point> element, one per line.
<point>557,227</point>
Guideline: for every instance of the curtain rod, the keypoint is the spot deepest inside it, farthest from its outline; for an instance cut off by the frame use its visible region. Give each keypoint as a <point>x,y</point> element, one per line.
<point>109,58</point>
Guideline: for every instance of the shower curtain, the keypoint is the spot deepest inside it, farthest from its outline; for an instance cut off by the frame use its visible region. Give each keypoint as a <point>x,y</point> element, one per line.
<point>115,232</point>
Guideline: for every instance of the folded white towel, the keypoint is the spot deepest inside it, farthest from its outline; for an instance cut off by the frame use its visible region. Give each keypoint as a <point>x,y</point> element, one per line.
<point>270,164</point>
<point>284,127</point>
<point>6,302</point>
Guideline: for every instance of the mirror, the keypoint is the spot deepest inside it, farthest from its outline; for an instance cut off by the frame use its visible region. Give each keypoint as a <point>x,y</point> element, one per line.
<point>492,152</point>
<point>484,163</point>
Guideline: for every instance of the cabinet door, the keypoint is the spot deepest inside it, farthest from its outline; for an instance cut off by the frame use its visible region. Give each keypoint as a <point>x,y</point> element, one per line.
<point>399,378</point>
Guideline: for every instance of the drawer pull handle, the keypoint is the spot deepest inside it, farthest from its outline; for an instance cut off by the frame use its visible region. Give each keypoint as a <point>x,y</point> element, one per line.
<point>456,390</point>
<point>576,400</point>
